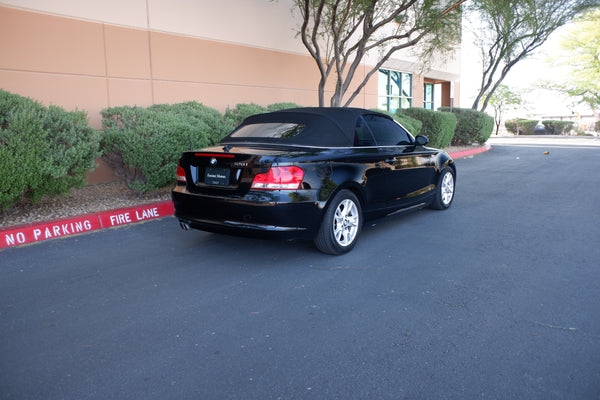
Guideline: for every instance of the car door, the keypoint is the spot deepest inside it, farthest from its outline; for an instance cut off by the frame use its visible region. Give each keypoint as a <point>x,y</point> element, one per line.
<point>409,179</point>
<point>377,168</point>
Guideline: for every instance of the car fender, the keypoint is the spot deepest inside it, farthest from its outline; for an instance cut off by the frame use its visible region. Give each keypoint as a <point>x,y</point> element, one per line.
<point>341,176</point>
<point>443,160</point>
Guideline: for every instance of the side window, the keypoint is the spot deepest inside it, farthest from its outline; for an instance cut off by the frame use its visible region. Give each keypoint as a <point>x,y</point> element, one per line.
<point>387,132</point>
<point>362,134</point>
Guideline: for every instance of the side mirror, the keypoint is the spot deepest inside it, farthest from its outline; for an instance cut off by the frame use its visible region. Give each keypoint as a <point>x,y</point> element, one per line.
<point>421,140</point>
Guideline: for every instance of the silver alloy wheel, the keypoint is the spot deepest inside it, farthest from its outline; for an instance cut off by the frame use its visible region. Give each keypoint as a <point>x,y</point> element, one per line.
<point>447,188</point>
<point>345,222</point>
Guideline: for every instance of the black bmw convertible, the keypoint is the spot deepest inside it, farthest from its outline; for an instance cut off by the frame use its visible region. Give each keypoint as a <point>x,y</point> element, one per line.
<point>311,173</point>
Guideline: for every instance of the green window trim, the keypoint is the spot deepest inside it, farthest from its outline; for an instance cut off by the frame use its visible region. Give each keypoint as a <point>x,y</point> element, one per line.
<point>395,90</point>
<point>428,97</point>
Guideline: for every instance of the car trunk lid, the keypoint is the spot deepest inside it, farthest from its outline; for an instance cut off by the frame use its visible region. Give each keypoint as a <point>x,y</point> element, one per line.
<point>214,171</point>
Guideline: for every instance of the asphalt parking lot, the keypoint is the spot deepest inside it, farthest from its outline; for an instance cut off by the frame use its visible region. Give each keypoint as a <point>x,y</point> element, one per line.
<point>495,298</point>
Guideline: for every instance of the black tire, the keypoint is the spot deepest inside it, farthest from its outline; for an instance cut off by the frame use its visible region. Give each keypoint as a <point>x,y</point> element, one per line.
<point>444,190</point>
<point>341,224</point>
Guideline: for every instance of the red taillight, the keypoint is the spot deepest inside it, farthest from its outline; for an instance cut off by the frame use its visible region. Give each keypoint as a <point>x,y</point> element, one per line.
<point>279,178</point>
<point>180,174</point>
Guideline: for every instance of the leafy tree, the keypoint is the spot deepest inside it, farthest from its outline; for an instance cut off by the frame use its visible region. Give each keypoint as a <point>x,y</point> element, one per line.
<point>502,100</point>
<point>338,34</point>
<point>512,31</point>
<point>581,54</point>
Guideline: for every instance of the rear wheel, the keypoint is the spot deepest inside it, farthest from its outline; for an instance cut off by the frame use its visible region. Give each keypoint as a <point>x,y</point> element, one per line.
<point>444,191</point>
<point>341,224</point>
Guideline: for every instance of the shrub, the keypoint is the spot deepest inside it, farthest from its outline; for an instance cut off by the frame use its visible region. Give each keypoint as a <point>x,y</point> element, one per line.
<point>43,150</point>
<point>512,126</point>
<point>471,126</point>
<point>520,126</point>
<point>527,126</point>
<point>21,145</point>
<point>438,126</point>
<point>142,145</point>
<point>195,112</point>
<point>557,127</point>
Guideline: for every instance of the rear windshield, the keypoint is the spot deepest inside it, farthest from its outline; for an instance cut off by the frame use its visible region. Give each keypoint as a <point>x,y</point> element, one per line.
<point>292,128</point>
<point>272,130</point>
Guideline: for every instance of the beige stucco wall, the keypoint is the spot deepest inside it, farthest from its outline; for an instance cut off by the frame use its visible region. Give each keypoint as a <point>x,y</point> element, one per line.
<point>256,23</point>
<point>79,55</point>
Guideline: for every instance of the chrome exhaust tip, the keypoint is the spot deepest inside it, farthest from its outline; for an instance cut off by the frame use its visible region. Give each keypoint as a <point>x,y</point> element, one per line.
<point>184,226</point>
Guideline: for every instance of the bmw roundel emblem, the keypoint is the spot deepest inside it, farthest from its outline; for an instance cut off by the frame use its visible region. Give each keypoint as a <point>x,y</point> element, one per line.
<point>213,161</point>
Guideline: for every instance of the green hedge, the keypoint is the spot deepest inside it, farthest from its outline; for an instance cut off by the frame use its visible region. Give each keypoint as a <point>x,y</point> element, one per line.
<point>520,126</point>
<point>282,106</point>
<point>44,151</point>
<point>438,126</point>
<point>197,115</point>
<point>554,127</point>
<point>472,126</point>
<point>142,145</point>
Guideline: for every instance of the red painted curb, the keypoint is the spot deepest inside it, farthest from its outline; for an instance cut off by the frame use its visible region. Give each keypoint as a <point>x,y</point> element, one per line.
<point>470,152</point>
<point>31,233</point>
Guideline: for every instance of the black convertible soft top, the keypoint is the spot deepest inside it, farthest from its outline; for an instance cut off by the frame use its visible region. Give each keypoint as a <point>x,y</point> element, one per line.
<point>323,126</point>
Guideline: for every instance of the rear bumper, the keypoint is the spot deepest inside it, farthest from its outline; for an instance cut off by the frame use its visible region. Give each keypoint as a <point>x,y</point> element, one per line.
<point>276,214</point>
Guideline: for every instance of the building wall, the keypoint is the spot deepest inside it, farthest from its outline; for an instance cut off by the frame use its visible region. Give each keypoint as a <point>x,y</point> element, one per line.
<point>90,65</point>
